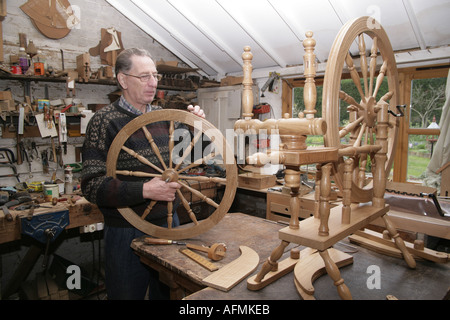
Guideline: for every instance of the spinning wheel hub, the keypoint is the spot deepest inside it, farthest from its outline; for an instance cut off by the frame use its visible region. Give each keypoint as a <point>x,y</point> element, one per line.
<point>369,113</point>
<point>169,175</point>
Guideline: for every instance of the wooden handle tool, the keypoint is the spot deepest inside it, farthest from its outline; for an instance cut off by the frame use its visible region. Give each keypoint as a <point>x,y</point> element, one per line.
<point>216,252</point>
<point>162,241</point>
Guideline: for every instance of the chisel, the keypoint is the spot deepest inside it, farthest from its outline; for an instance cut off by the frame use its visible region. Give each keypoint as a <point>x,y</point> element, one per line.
<point>162,241</point>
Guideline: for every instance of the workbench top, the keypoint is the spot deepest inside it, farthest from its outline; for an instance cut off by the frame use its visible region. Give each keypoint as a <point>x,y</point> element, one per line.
<point>428,281</point>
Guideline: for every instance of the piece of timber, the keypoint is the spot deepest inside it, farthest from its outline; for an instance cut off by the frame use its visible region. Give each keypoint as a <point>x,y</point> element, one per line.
<point>374,241</point>
<point>307,234</point>
<point>283,267</point>
<point>307,270</point>
<point>233,273</point>
<point>199,259</point>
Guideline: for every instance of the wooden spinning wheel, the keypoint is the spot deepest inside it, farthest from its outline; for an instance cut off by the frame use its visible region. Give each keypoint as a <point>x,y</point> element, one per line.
<point>361,131</point>
<point>372,140</point>
<point>218,151</point>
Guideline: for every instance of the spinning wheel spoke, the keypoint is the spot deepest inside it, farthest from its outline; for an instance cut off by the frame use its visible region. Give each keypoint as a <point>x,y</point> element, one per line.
<point>380,78</point>
<point>187,207</point>
<point>200,195</point>
<point>354,74</point>
<point>171,143</point>
<point>155,148</point>
<point>148,209</point>
<point>189,149</point>
<point>140,158</point>
<point>137,174</point>
<point>373,64</point>
<point>350,127</point>
<point>363,61</point>
<point>198,162</point>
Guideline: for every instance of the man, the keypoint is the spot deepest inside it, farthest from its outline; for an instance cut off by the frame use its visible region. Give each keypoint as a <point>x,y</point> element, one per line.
<point>126,276</point>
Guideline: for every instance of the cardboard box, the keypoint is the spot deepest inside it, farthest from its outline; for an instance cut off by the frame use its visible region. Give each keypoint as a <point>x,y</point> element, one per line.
<point>167,63</point>
<point>7,105</point>
<point>256,181</point>
<point>231,81</point>
<point>5,95</point>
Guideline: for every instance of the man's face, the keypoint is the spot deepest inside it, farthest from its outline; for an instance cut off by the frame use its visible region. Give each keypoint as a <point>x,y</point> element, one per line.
<point>137,92</point>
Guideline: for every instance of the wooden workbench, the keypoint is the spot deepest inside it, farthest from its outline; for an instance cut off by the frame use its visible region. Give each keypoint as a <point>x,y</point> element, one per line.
<point>184,276</point>
<point>82,213</point>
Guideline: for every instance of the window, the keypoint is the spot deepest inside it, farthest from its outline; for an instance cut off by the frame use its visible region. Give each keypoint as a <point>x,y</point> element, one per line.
<point>423,93</point>
<point>427,100</point>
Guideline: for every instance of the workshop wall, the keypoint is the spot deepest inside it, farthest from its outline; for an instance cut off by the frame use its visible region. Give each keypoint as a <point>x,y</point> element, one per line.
<point>94,16</point>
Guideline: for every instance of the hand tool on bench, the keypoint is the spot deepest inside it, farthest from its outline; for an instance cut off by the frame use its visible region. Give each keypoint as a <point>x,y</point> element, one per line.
<point>216,252</point>
<point>162,241</point>
<point>14,202</point>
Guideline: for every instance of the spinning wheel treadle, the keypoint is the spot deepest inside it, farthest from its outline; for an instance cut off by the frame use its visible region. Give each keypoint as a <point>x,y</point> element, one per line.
<point>361,131</point>
<point>177,171</point>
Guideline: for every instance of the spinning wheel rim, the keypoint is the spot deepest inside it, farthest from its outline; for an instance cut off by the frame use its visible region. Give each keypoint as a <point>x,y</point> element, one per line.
<point>331,86</point>
<point>181,232</point>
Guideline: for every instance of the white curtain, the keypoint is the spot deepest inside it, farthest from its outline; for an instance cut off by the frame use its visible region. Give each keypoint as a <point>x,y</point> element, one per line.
<point>441,151</point>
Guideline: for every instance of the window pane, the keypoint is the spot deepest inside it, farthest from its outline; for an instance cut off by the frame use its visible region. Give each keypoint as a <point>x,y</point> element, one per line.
<point>427,100</point>
<point>420,148</point>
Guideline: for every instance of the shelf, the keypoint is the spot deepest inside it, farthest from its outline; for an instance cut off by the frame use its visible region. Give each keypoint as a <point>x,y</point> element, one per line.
<point>53,79</point>
<point>91,81</point>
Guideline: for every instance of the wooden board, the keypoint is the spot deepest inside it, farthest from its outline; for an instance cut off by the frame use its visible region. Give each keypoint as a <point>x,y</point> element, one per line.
<point>284,267</point>
<point>234,272</point>
<point>375,241</point>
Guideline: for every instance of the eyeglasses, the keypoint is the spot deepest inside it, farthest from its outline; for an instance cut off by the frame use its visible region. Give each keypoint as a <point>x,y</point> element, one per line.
<point>146,77</point>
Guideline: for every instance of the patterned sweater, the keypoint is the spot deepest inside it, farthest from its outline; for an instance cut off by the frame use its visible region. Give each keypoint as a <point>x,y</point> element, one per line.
<point>109,193</point>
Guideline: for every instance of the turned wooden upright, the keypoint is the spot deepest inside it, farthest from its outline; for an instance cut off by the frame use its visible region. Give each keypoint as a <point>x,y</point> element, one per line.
<point>327,226</point>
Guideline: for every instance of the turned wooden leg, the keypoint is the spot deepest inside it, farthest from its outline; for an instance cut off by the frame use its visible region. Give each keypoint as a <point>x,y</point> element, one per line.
<point>294,202</point>
<point>317,192</point>
<point>292,180</point>
<point>347,192</point>
<point>271,263</point>
<point>324,204</point>
<point>335,275</point>
<point>399,242</point>
<point>379,176</point>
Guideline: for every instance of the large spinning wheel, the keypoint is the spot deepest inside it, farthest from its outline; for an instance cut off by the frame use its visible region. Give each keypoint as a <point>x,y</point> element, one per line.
<point>358,137</point>
<point>218,150</point>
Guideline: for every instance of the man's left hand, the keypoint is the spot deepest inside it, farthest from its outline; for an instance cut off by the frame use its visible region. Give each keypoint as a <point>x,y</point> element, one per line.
<point>196,110</point>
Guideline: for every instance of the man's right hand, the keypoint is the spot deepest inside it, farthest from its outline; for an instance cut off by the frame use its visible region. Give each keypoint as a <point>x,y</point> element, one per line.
<point>159,190</point>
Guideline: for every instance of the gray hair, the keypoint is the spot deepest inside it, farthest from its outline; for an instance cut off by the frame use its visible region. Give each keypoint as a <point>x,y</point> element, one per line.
<point>123,61</point>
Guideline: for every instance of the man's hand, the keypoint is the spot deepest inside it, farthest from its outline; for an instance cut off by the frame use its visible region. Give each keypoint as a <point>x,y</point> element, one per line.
<point>159,190</point>
<point>196,110</point>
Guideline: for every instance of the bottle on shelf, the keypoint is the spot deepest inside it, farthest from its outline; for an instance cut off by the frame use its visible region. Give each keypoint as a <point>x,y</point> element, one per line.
<point>39,63</point>
<point>23,60</point>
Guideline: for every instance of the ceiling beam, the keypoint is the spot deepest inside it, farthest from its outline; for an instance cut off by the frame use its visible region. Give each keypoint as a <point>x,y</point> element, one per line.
<point>414,24</point>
